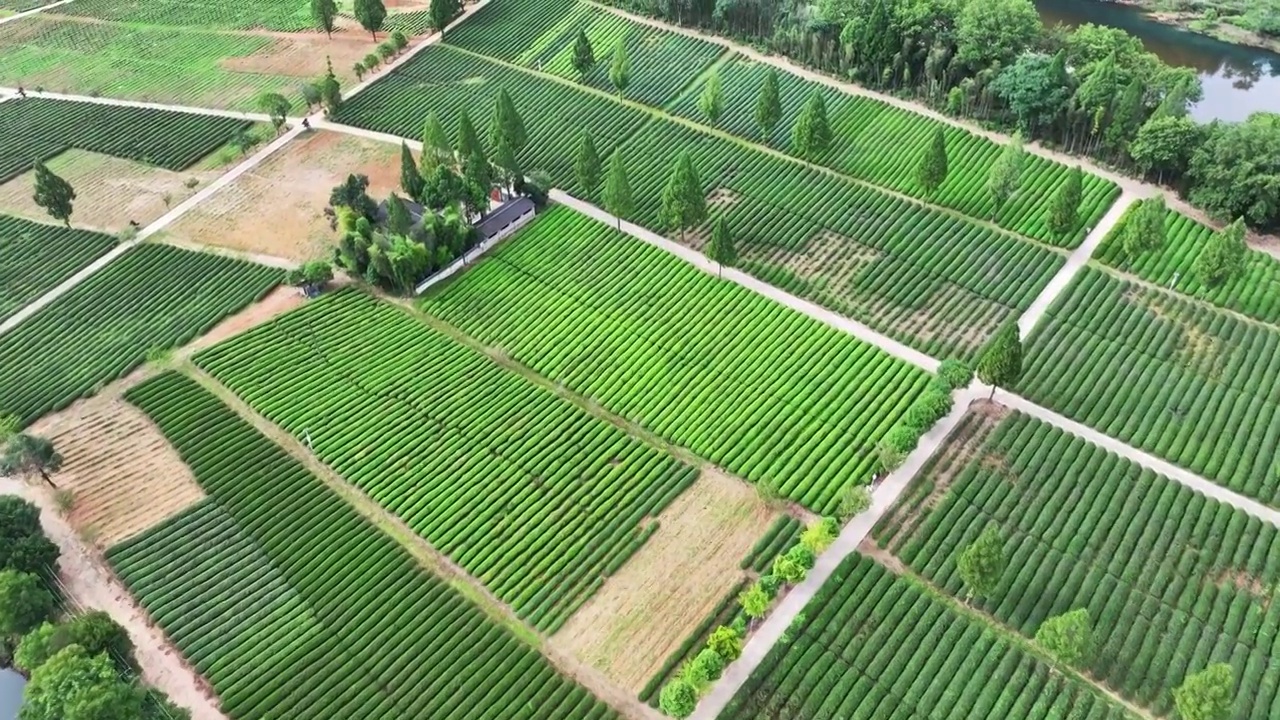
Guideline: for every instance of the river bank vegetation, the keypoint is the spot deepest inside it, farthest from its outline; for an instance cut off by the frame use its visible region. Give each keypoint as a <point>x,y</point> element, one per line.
<point>1092,91</point>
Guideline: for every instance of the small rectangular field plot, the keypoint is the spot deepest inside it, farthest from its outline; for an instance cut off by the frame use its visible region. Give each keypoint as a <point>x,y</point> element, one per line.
<point>1172,376</point>
<point>447,81</point>
<point>933,280</point>
<point>1255,292</point>
<point>154,297</point>
<point>534,497</point>
<point>1172,580</point>
<point>766,392</point>
<point>35,257</point>
<point>874,645</point>
<point>295,607</point>
<point>39,128</point>
<point>210,14</point>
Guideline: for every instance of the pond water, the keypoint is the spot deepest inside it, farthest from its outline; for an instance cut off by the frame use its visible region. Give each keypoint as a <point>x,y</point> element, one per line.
<point>11,684</point>
<point>1237,80</point>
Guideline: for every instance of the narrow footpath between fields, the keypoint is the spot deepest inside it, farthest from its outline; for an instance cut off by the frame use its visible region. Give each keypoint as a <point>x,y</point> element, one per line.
<point>91,586</point>
<point>426,555</point>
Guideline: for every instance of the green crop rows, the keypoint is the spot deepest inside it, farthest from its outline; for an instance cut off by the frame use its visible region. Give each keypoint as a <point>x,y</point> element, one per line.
<point>211,14</point>
<point>35,257</point>
<point>40,128</point>
<point>1256,292</point>
<point>296,607</point>
<point>531,495</point>
<point>1172,376</point>
<point>153,297</point>
<point>882,144</point>
<point>761,390</point>
<point>1172,580</point>
<point>929,278</point>
<point>876,646</point>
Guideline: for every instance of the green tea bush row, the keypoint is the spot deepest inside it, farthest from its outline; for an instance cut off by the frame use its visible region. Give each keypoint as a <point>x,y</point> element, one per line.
<point>40,128</point>
<point>152,297</point>
<point>784,532</point>
<point>296,607</point>
<point>1255,292</point>
<point>874,645</point>
<point>766,392</point>
<point>1175,377</point>
<point>35,257</point>
<point>1172,580</point>
<point>242,15</point>
<point>534,497</point>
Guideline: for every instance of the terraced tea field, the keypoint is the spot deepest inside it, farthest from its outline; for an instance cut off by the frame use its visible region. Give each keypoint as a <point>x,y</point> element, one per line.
<point>882,144</point>
<point>873,645</point>
<point>1172,376</point>
<point>1255,292</point>
<point>928,278</point>
<point>294,606</point>
<point>38,128</point>
<point>763,391</point>
<point>35,257</point>
<point>535,498</point>
<point>1172,580</point>
<point>246,15</point>
<point>154,297</point>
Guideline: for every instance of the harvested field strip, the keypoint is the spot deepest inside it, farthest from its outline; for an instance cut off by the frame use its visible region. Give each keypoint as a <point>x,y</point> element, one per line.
<point>296,607</point>
<point>874,645</point>
<point>1172,580</point>
<point>766,392</point>
<point>154,297</point>
<point>35,257</point>
<point>535,498</point>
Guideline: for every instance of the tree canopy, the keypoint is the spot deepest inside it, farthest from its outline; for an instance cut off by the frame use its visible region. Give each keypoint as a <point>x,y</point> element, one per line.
<point>1144,230</point>
<point>25,602</point>
<point>442,12</point>
<point>507,123</point>
<point>1064,207</point>
<point>720,248</point>
<point>370,14</point>
<point>1068,637</point>
<point>410,177</point>
<point>617,188</point>
<point>811,136</point>
<point>982,562</point>
<point>53,193</point>
<point>1223,256</point>
<point>683,203</point>
<point>1000,362</point>
<point>586,165</point>
<point>711,101</point>
<point>1005,175</point>
<point>932,170</point>
<point>768,104</point>
<point>620,68</point>
<point>1236,171</point>
<point>24,454</point>
<point>325,13</point>
<point>584,57</point>
<point>1206,695</point>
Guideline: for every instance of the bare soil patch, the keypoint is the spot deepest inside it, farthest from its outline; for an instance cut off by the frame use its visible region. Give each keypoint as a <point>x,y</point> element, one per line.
<point>277,302</point>
<point>642,614</point>
<point>278,207</point>
<point>303,56</point>
<point>109,191</point>
<point>124,476</point>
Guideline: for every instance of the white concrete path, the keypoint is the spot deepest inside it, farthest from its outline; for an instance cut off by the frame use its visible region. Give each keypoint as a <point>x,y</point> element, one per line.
<point>1075,261</point>
<point>28,13</point>
<point>116,102</point>
<point>883,497</point>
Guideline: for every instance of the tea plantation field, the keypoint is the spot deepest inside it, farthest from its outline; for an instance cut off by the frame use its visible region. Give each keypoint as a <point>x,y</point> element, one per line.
<point>766,392</point>
<point>35,257</point>
<point>294,606</point>
<point>243,15</point>
<point>39,128</point>
<point>1172,376</point>
<point>154,297</point>
<point>1172,581</point>
<point>874,645</point>
<point>931,279</point>
<point>1255,292</point>
<point>534,497</point>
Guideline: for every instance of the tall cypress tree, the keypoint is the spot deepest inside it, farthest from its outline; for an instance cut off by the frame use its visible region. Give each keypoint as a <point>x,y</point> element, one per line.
<point>932,171</point>
<point>1144,229</point>
<point>1005,174</point>
<point>410,178</point>
<point>1064,208</point>
<point>1223,256</point>
<point>586,165</point>
<point>1000,363</point>
<point>811,136</point>
<point>583,56</point>
<point>506,122</point>
<point>683,203</point>
<point>468,143</point>
<point>711,101</point>
<point>435,144</point>
<point>620,68</point>
<point>768,105</point>
<point>720,248</point>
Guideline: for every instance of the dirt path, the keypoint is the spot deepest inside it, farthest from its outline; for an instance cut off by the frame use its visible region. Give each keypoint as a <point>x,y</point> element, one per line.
<point>91,584</point>
<point>426,555</point>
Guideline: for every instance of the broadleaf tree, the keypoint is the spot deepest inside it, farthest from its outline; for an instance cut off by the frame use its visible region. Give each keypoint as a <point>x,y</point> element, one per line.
<point>54,194</point>
<point>371,14</point>
<point>24,454</point>
<point>1144,229</point>
<point>325,13</point>
<point>442,12</point>
<point>1206,695</point>
<point>1068,637</point>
